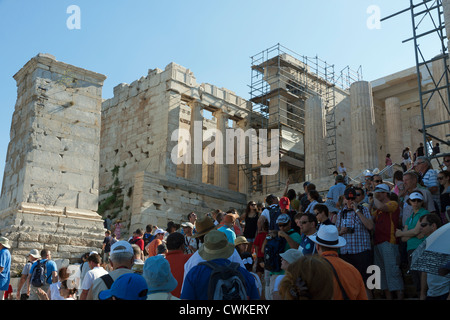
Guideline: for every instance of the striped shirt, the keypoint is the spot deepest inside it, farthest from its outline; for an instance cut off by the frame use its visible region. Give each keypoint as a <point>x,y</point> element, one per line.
<point>359,240</point>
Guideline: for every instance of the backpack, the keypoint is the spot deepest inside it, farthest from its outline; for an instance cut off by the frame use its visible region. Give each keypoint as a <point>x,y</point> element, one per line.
<point>148,237</point>
<point>272,250</point>
<point>274,212</point>
<point>39,275</point>
<point>226,282</point>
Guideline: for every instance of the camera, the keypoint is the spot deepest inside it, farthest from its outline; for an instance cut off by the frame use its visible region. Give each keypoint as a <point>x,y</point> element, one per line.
<point>360,207</point>
<point>350,230</point>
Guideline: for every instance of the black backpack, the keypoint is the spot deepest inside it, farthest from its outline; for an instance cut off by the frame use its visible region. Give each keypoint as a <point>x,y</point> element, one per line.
<point>226,282</point>
<point>274,212</point>
<point>272,250</point>
<point>39,275</point>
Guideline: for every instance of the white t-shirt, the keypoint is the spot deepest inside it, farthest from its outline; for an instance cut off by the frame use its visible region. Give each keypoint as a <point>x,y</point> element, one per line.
<point>266,213</point>
<point>91,275</point>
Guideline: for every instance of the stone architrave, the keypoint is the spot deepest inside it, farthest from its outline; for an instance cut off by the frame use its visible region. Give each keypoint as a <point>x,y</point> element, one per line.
<point>315,139</point>
<point>49,195</point>
<point>364,138</point>
<point>394,131</point>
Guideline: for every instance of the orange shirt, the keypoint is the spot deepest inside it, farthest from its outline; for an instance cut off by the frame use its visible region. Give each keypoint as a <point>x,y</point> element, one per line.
<point>152,246</point>
<point>349,276</point>
<point>177,259</point>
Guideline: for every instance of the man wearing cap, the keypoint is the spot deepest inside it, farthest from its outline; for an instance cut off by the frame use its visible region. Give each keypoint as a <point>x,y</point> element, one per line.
<point>354,223</point>
<point>130,286</point>
<point>228,227</point>
<point>152,246</point>
<point>204,226</point>
<point>217,250</point>
<point>348,283</point>
<point>121,260</point>
<point>22,290</point>
<point>5,266</point>
<point>191,243</point>
<point>288,257</point>
<point>386,216</point>
<point>337,190</point>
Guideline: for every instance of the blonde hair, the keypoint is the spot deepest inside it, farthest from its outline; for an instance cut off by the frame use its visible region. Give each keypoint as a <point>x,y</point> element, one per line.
<point>309,278</point>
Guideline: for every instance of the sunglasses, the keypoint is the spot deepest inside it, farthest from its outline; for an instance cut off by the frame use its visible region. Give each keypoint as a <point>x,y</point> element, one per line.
<point>253,204</point>
<point>415,200</point>
<point>378,181</point>
<point>304,222</point>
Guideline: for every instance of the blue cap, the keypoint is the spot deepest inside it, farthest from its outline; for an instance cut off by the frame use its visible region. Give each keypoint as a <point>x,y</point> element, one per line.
<point>129,286</point>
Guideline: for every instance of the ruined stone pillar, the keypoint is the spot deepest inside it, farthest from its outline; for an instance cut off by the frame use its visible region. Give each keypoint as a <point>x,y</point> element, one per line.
<point>394,130</point>
<point>315,139</point>
<point>196,128</point>
<point>49,195</point>
<point>243,177</point>
<point>363,139</point>
<point>220,167</point>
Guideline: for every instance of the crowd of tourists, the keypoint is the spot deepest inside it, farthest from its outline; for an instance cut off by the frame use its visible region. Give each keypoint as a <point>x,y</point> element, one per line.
<point>299,245</point>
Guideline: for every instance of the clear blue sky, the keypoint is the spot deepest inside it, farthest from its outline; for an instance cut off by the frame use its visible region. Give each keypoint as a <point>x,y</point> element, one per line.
<point>215,39</point>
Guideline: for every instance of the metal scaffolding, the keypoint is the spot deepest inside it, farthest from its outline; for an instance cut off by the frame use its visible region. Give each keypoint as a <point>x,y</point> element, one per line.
<point>281,81</point>
<point>427,17</point>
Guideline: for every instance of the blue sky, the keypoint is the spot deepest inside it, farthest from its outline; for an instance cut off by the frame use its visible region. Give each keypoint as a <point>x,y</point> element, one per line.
<point>215,39</point>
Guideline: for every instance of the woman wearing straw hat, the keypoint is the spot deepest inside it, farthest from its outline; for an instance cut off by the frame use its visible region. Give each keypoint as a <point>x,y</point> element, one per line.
<point>5,266</point>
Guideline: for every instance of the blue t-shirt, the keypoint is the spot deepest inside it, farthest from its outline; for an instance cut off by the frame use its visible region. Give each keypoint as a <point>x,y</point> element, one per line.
<point>231,235</point>
<point>307,246</point>
<point>195,286</point>
<point>5,263</point>
<point>51,266</point>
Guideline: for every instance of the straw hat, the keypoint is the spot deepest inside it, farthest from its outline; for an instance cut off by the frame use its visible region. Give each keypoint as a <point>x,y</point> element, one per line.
<point>5,242</point>
<point>216,246</point>
<point>203,226</point>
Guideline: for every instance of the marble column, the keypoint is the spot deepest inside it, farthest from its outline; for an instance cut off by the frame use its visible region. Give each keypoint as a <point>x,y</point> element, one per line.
<point>364,136</point>
<point>220,167</point>
<point>244,181</point>
<point>394,131</point>
<point>315,139</point>
<point>194,170</point>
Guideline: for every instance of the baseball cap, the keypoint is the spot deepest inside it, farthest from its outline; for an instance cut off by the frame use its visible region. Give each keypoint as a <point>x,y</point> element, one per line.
<point>122,246</point>
<point>129,286</point>
<point>350,194</point>
<point>382,188</point>
<point>416,195</point>
<point>284,203</point>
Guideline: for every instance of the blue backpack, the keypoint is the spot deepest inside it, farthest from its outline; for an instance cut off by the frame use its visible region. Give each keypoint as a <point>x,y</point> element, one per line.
<point>39,275</point>
<point>274,212</point>
<point>272,250</point>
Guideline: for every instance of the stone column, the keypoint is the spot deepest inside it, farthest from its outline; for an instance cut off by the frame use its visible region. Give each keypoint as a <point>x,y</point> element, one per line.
<point>394,131</point>
<point>220,167</point>
<point>364,138</point>
<point>316,165</point>
<point>196,129</point>
<point>243,176</point>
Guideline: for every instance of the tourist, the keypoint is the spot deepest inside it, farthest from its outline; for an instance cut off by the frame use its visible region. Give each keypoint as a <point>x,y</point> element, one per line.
<point>216,251</point>
<point>137,239</point>
<point>5,266</point>
<point>52,273</point>
<point>314,198</point>
<point>159,278</point>
<point>171,227</point>
<point>341,168</point>
<point>322,215</point>
<point>228,227</point>
<point>138,263</point>
<point>434,287</point>
<point>22,290</point>
<point>192,218</point>
<point>337,190</point>
<point>388,163</point>
<point>411,231</point>
<point>96,271</point>
<point>308,278</point>
<point>250,217</point>
<point>147,237</point>
<point>446,162</point>
<point>406,161</point>
<point>397,179</point>
<point>121,260</point>
<point>106,246</point>
<point>348,282</point>
<point>270,213</point>
<point>67,291</point>
<point>386,215</point>
<point>287,258</point>
<point>152,246</point>
<point>428,176</point>
<point>117,228</point>
<point>377,179</point>
<point>292,196</point>
<point>258,245</point>
<point>444,181</point>
<point>241,245</point>
<point>355,224</point>
<point>130,286</point>
<point>191,243</point>
<point>177,258</point>
<point>308,227</point>
<point>249,263</point>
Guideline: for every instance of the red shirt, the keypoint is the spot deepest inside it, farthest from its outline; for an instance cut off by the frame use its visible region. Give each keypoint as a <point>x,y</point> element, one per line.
<point>386,223</point>
<point>177,259</point>
<point>138,241</point>
<point>259,240</point>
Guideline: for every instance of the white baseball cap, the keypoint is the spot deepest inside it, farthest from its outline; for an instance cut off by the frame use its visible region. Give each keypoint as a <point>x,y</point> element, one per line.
<point>122,246</point>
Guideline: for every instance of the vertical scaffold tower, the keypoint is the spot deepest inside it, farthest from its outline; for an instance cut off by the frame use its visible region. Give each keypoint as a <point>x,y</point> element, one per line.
<point>281,81</point>
<point>427,18</point>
